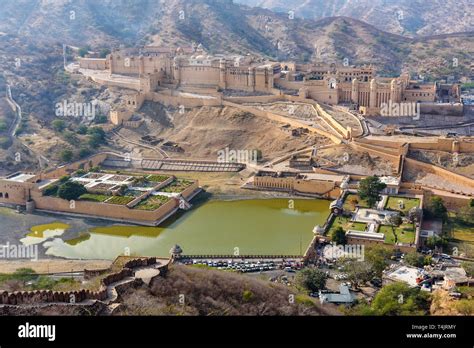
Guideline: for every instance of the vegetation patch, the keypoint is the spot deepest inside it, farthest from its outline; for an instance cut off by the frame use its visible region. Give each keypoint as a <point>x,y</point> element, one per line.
<point>153,202</point>
<point>177,186</point>
<point>404,232</point>
<point>352,201</point>
<point>157,178</point>
<point>346,224</point>
<point>93,197</point>
<point>120,200</point>
<point>393,203</point>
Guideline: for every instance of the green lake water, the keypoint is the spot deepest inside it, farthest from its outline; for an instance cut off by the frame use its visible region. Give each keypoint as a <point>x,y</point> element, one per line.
<point>269,227</point>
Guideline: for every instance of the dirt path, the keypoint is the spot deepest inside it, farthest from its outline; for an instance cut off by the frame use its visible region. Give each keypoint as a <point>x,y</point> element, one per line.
<point>53,265</point>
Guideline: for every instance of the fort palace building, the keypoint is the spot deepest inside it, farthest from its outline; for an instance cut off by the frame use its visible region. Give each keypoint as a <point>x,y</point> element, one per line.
<point>150,68</point>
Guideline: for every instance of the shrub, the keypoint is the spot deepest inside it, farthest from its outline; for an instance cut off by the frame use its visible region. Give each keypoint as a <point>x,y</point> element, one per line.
<point>247,295</point>
<point>66,155</point>
<point>311,279</point>
<point>338,236</point>
<point>58,125</point>
<point>51,190</point>
<point>71,190</point>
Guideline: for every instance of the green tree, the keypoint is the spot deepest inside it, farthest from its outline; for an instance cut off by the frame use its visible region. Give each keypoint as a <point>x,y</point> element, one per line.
<point>104,52</point>
<point>400,299</point>
<point>471,203</point>
<point>369,190</point>
<point>64,179</point>
<point>359,272</point>
<point>66,155</point>
<point>5,142</point>
<point>395,220</point>
<point>437,209</point>
<point>465,307</point>
<point>70,137</point>
<point>99,119</point>
<point>71,190</point>
<point>414,216</point>
<point>379,258</point>
<point>467,213</point>
<point>82,129</point>
<point>338,236</point>
<point>83,51</point>
<point>311,279</point>
<point>427,260</point>
<point>84,152</point>
<point>414,259</point>
<point>96,136</point>
<point>469,268</point>
<point>58,125</point>
<point>436,242</point>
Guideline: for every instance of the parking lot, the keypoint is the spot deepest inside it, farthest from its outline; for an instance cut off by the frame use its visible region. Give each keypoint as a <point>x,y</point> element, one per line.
<point>248,266</point>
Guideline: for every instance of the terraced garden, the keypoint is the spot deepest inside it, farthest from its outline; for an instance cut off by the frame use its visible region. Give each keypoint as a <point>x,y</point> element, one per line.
<point>93,197</point>
<point>405,233</point>
<point>393,203</point>
<point>346,224</point>
<point>177,186</point>
<point>120,200</point>
<point>352,200</point>
<point>152,202</point>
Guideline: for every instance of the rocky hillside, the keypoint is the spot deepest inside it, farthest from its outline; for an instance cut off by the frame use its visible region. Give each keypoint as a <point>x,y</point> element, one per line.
<point>32,33</point>
<point>407,17</point>
<point>210,292</point>
<point>221,25</point>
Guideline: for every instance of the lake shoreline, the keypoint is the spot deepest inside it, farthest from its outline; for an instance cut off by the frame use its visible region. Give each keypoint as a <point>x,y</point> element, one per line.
<point>93,227</point>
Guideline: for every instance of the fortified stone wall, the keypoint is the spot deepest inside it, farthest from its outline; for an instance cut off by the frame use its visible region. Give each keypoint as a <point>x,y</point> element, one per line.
<point>14,192</point>
<point>417,166</point>
<point>450,201</point>
<point>441,109</point>
<point>85,164</point>
<point>395,159</point>
<point>104,210</point>
<point>177,101</point>
<point>282,119</point>
<point>345,132</point>
<point>94,63</point>
<point>78,296</point>
<point>294,85</point>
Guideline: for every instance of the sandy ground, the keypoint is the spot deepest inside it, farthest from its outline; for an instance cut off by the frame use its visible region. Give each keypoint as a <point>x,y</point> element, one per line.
<point>202,132</point>
<point>53,265</point>
<point>346,159</point>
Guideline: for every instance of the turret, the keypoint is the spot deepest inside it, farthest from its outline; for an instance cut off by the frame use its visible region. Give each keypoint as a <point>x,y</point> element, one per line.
<point>373,94</point>
<point>251,78</point>
<point>222,74</point>
<point>355,91</point>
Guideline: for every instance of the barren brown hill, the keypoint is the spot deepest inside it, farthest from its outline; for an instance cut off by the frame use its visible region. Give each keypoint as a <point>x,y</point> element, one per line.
<point>223,26</point>
<point>407,17</point>
<point>210,292</point>
<point>202,132</point>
